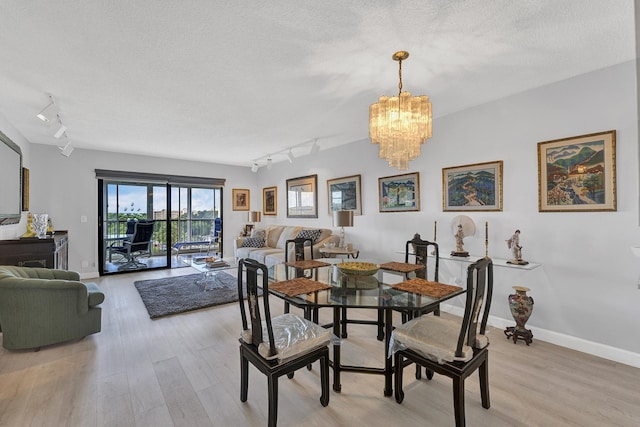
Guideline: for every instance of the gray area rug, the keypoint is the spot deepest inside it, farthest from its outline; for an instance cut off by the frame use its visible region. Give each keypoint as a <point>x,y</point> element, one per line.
<point>172,295</point>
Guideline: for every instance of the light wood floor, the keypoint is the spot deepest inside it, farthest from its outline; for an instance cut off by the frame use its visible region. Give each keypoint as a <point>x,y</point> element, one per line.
<point>183,370</point>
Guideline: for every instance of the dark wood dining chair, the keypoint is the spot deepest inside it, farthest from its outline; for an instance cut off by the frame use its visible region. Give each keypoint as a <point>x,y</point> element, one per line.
<point>302,249</point>
<point>451,347</point>
<point>275,346</point>
<point>419,249</point>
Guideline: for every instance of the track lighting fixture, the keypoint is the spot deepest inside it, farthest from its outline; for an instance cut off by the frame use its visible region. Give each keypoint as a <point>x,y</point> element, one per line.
<point>315,148</point>
<point>61,129</point>
<point>288,152</point>
<point>67,149</point>
<point>48,113</point>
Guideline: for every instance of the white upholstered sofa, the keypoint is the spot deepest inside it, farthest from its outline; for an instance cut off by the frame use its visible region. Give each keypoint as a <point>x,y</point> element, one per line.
<point>270,251</point>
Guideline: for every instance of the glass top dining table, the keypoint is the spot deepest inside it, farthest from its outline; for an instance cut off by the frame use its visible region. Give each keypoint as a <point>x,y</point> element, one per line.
<point>355,291</point>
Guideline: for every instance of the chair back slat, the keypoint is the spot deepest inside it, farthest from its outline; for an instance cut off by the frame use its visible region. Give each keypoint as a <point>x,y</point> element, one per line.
<point>249,273</point>
<point>217,227</point>
<point>420,249</point>
<point>478,295</point>
<point>142,232</point>
<point>299,245</point>
<point>131,226</point>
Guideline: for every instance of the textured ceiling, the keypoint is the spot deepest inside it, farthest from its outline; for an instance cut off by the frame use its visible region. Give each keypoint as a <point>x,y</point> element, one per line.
<point>234,81</point>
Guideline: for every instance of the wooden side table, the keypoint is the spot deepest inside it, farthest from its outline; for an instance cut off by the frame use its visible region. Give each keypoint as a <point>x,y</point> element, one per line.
<point>333,252</point>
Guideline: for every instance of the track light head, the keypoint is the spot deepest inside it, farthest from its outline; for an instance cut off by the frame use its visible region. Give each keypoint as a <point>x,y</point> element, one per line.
<point>254,167</point>
<point>61,130</point>
<point>315,148</point>
<point>66,150</point>
<point>48,113</point>
<point>269,163</point>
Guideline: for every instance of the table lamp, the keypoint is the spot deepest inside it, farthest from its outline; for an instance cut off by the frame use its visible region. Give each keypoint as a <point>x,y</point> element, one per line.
<point>342,219</point>
<point>254,216</point>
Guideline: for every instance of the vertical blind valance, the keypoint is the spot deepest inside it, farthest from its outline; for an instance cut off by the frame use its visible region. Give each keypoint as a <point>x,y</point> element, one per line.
<point>159,178</point>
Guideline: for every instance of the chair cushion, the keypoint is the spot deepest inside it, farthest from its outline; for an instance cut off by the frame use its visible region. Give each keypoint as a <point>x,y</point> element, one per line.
<point>253,242</point>
<point>433,337</point>
<point>309,234</point>
<point>293,336</point>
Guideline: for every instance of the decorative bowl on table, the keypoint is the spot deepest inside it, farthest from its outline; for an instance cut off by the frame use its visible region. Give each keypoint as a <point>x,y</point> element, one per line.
<point>358,268</point>
<point>214,262</point>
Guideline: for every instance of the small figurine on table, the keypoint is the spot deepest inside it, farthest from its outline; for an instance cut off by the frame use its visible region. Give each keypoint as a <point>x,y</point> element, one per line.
<point>459,243</point>
<point>514,244</point>
<point>462,226</point>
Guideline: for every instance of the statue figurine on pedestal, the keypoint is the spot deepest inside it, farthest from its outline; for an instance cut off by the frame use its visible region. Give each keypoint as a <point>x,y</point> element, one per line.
<point>462,226</point>
<point>459,243</point>
<point>514,244</point>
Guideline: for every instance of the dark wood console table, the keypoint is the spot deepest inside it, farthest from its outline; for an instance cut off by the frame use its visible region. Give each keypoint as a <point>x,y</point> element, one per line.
<point>51,252</point>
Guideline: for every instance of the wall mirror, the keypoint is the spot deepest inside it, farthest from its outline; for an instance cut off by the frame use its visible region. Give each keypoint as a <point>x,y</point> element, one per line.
<point>11,179</point>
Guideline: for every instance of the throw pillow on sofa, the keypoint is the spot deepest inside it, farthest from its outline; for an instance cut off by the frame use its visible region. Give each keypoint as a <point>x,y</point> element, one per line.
<point>253,242</point>
<point>309,234</point>
<point>260,233</point>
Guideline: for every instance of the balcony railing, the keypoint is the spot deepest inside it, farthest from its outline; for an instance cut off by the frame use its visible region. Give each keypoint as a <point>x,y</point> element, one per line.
<point>182,230</point>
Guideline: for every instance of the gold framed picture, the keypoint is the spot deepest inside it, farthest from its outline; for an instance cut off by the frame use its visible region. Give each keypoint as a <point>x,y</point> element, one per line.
<point>578,174</point>
<point>25,189</point>
<point>476,187</point>
<point>240,199</point>
<point>270,201</point>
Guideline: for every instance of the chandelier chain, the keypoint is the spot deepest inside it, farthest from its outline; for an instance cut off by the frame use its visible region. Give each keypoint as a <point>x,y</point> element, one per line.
<point>400,76</point>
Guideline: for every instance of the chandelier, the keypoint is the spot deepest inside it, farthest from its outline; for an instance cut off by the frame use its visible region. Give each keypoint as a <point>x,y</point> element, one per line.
<point>400,124</point>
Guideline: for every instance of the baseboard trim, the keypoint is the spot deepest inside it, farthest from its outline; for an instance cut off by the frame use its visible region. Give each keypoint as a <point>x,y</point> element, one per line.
<point>596,349</point>
<point>89,275</point>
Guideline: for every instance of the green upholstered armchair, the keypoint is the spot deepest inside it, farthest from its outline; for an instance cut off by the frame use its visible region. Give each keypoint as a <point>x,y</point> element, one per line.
<point>39,306</point>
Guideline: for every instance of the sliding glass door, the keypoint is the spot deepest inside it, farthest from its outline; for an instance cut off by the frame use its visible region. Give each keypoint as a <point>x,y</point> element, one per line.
<point>195,214</point>
<point>125,205</point>
<point>186,222</point>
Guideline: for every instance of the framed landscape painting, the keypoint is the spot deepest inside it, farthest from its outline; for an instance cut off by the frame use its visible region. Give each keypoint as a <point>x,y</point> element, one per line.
<point>344,194</point>
<point>578,173</point>
<point>270,201</point>
<point>476,187</point>
<point>399,193</point>
<point>240,199</point>
<point>302,197</point>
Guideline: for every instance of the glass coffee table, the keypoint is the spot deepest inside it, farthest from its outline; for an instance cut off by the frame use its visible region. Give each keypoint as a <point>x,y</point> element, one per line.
<point>333,252</point>
<point>209,267</point>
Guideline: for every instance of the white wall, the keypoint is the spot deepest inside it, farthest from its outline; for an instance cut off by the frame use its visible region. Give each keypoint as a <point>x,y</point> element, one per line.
<point>586,293</point>
<point>66,188</point>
